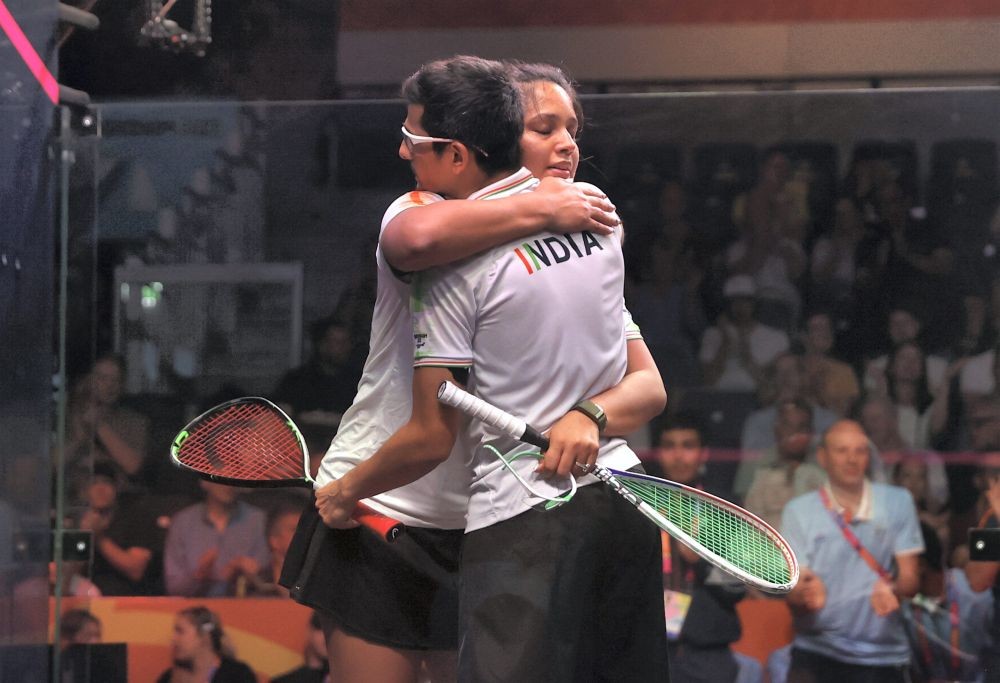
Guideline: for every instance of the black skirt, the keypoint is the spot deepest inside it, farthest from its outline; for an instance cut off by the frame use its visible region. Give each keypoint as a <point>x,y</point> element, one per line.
<point>402,594</point>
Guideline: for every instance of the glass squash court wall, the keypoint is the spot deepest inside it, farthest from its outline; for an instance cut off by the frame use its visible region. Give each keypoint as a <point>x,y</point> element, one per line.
<point>205,237</point>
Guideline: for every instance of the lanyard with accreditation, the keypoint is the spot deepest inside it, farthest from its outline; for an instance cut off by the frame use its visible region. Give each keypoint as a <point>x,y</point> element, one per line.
<point>853,540</point>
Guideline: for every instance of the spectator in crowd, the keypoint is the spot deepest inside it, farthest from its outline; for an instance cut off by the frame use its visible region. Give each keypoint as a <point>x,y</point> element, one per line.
<point>667,306</point>
<point>783,473</point>
<point>101,430</point>
<point>847,535</point>
<point>128,541</point>
<point>983,575</point>
<point>769,249</point>
<point>315,667</point>
<point>213,543</point>
<point>945,648</point>
<point>701,601</point>
<point>833,265</point>
<point>785,382</point>
<point>321,390</point>
<point>924,476</point>
<point>79,627</point>
<point>920,262</point>
<point>282,519</point>
<point>830,383</point>
<point>979,375</point>
<point>922,414</point>
<point>903,326</point>
<point>737,348</point>
<point>201,652</point>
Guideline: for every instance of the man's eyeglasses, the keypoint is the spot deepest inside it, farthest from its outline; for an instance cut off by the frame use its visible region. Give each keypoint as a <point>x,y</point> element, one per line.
<point>412,139</point>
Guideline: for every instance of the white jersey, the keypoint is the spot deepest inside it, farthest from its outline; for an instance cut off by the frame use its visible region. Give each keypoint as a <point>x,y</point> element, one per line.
<point>384,400</point>
<point>539,324</point>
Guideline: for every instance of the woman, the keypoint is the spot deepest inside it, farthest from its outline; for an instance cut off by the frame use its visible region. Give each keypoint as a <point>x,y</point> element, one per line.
<point>200,653</point>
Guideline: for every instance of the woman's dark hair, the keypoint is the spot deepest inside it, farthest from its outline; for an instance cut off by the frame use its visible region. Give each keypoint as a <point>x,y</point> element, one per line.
<point>206,621</point>
<point>524,73</point>
<point>474,101</point>
<point>73,621</point>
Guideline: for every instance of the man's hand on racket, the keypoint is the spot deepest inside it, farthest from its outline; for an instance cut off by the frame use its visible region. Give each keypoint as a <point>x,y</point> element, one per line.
<point>573,440</point>
<point>335,506</point>
<point>577,206</point>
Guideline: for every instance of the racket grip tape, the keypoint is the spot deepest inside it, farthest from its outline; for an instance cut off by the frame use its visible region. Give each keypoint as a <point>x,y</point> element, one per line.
<point>459,398</point>
<point>385,527</point>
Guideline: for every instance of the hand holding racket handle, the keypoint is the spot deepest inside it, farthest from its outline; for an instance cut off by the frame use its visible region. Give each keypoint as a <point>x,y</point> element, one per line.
<point>250,442</point>
<point>451,395</point>
<point>724,534</point>
<point>386,527</point>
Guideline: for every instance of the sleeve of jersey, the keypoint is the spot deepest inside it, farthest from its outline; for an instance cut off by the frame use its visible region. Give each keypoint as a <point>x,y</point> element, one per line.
<point>443,305</point>
<point>407,201</point>
<point>632,331</point>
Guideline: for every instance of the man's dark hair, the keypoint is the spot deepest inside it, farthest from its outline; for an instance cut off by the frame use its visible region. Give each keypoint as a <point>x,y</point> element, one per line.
<point>524,73</point>
<point>682,419</point>
<point>474,101</point>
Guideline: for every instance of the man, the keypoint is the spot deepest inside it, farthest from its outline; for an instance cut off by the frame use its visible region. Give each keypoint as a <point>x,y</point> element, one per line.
<point>128,543</point>
<point>213,543</point>
<point>737,348</point>
<point>387,610</point>
<point>700,600</point>
<point>545,594</point>
<point>785,382</point>
<point>786,474</point>
<point>847,536</point>
<point>319,392</point>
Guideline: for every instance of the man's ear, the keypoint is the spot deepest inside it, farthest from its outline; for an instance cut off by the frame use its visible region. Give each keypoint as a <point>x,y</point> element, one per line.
<point>461,156</point>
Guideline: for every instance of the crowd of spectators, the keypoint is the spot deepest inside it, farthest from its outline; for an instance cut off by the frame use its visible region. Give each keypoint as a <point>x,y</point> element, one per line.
<point>774,309</point>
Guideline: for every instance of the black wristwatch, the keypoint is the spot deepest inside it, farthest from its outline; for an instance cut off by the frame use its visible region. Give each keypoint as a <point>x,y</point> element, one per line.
<point>594,412</point>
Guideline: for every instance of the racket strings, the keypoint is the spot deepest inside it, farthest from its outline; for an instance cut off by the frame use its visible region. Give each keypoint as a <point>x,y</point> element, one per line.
<point>720,530</point>
<point>220,444</point>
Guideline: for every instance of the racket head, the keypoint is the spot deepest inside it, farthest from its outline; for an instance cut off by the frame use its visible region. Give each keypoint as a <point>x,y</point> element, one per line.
<point>247,442</point>
<point>720,532</point>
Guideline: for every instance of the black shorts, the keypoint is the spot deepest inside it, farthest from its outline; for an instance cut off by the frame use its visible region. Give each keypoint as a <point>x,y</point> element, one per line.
<point>401,594</point>
<point>570,594</point>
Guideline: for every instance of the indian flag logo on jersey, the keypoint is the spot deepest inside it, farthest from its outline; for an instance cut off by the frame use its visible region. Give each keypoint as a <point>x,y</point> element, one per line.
<point>551,251</point>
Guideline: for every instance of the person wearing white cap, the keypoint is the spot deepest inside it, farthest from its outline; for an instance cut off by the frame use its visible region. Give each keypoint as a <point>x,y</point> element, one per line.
<point>735,350</point>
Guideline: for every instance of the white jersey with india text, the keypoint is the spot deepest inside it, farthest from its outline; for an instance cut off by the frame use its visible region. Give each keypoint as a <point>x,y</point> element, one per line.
<point>538,323</point>
<point>384,399</point>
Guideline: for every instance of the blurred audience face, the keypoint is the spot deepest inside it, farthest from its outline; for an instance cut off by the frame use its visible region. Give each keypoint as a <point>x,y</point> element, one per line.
<point>673,203</point>
<point>188,640</point>
<point>89,634</point>
<point>984,425</point>
<point>911,474</point>
<point>775,170</point>
<point>106,382</point>
<point>220,493</point>
<point>847,219</point>
<point>741,309</point>
<point>907,363</point>
<point>903,326</point>
<point>335,345</point>
<point>101,493</point>
<point>788,377</point>
<point>280,532</point>
<point>792,431</point>
<point>681,454</point>
<point>844,454</point>
<point>819,334</point>
<point>878,416</point>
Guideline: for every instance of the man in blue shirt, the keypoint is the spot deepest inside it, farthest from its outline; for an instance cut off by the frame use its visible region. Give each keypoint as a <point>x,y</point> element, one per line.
<point>858,544</point>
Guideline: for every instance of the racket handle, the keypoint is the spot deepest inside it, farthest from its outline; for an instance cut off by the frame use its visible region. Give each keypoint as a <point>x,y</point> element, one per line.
<point>386,527</point>
<point>459,398</point>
